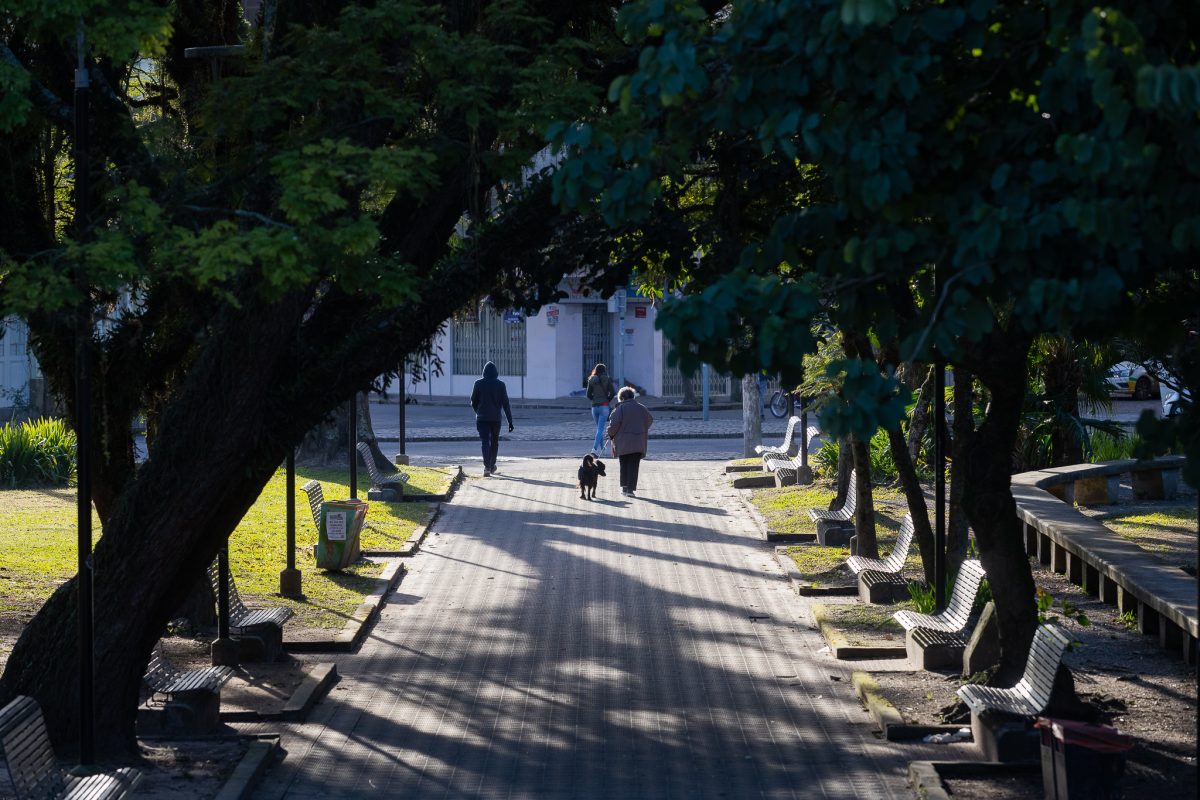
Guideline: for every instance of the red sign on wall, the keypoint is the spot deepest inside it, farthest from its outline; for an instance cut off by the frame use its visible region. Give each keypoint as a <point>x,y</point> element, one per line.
<point>639,312</point>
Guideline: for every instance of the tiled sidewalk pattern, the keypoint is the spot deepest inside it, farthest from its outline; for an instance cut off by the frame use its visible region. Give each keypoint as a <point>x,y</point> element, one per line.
<point>545,647</point>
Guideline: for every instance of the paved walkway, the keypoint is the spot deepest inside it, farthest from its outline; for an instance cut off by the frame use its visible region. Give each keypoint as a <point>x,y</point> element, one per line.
<point>544,647</point>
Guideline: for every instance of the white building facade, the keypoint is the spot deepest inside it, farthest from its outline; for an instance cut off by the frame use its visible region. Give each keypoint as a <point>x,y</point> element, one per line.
<point>551,353</point>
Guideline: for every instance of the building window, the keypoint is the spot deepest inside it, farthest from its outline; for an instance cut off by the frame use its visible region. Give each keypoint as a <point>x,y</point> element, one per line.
<point>489,336</point>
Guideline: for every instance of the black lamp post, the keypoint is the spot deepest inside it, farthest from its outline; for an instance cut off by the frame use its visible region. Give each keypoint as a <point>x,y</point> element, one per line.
<point>939,483</point>
<point>402,457</point>
<point>354,446</point>
<point>290,579</point>
<point>83,421</point>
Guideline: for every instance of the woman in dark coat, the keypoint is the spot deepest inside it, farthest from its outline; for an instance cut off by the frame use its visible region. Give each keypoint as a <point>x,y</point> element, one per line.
<point>629,428</point>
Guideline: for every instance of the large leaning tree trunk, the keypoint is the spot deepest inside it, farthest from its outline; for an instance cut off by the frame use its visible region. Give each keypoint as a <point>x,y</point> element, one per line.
<point>999,362</point>
<point>329,442</point>
<point>253,275</point>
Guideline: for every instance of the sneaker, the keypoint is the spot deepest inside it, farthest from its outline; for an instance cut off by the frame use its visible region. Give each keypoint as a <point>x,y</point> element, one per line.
<point>487,473</point>
<point>631,493</point>
<point>626,492</point>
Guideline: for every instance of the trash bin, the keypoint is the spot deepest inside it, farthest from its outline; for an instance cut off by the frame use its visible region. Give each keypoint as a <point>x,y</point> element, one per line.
<point>1081,761</point>
<point>337,540</point>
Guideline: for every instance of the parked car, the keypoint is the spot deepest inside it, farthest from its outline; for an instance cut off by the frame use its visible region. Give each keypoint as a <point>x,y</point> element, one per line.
<point>1170,400</point>
<point>1131,378</point>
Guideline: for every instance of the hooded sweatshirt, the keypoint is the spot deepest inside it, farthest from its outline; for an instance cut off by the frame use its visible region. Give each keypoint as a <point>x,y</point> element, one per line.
<point>490,396</point>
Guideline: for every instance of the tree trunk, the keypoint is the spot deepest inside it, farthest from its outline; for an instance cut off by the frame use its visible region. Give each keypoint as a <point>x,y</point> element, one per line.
<point>919,423</point>
<point>845,466</point>
<point>914,497</point>
<point>751,419</point>
<point>864,511</point>
<point>987,497</point>
<point>689,393</point>
<point>957,529</point>
<point>366,433</point>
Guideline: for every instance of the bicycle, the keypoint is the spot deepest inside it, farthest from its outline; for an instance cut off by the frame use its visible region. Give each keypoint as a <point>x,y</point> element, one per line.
<point>783,404</point>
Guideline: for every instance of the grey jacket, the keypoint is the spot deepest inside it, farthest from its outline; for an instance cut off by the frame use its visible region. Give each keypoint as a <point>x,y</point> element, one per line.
<point>629,427</point>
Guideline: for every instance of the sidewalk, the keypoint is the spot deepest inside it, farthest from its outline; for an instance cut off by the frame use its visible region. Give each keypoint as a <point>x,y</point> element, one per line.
<point>546,647</point>
<point>455,423</point>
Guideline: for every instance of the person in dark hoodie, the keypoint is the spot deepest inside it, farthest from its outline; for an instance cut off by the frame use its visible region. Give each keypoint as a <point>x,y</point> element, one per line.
<point>488,399</point>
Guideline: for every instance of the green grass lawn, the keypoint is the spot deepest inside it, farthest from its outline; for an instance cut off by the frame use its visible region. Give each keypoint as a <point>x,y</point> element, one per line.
<point>786,511</point>
<point>37,535</point>
<point>1167,531</point>
<point>863,624</point>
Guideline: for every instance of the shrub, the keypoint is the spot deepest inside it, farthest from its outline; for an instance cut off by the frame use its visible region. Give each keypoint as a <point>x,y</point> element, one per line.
<point>883,466</point>
<point>39,452</point>
<point>1106,447</point>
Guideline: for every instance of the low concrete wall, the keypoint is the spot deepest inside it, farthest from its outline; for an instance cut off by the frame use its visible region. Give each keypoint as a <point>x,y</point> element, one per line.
<point>1104,564</point>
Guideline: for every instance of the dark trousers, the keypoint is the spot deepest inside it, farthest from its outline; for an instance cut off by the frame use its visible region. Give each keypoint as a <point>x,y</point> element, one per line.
<point>489,441</point>
<point>630,462</point>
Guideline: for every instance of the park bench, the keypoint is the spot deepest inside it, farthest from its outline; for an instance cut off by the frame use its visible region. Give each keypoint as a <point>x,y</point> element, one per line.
<point>843,514</point>
<point>784,449</point>
<point>937,640</point>
<point>894,563</point>
<point>787,469</point>
<point>881,580</point>
<point>33,772</point>
<point>259,630</point>
<point>835,527</point>
<point>1031,694</point>
<point>999,736</point>
<point>193,697</point>
<point>383,487</point>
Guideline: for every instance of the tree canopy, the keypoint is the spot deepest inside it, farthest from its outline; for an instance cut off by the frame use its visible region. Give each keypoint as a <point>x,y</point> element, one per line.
<point>267,231</point>
<point>966,176</point>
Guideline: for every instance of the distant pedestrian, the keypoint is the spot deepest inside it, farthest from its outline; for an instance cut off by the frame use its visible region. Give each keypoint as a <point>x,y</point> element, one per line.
<point>629,428</point>
<point>488,399</point>
<point>600,391</point>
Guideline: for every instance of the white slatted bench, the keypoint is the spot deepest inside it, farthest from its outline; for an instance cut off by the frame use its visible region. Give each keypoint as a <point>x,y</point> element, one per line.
<point>33,772</point>
<point>843,514</point>
<point>259,631</point>
<point>381,484</point>
<point>241,618</point>
<point>937,641</point>
<point>1001,719</point>
<point>193,697</point>
<point>895,561</point>
<point>958,611</point>
<point>783,449</point>
<point>1032,693</point>
<point>166,679</point>
<point>787,470</point>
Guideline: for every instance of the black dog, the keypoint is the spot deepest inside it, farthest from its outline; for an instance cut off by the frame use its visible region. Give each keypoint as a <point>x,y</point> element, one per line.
<point>589,473</point>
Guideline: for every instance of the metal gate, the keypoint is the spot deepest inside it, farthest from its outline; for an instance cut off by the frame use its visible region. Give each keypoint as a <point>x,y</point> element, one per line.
<point>489,336</point>
<point>17,364</point>
<point>718,384</point>
<point>597,339</point>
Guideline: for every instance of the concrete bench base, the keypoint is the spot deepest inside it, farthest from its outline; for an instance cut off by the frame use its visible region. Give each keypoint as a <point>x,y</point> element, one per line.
<point>1100,491</point>
<point>1004,737</point>
<point>1155,484</point>
<point>834,533</point>
<point>260,643</point>
<point>932,650</point>
<point>881,587</point>
<point>385,495</point>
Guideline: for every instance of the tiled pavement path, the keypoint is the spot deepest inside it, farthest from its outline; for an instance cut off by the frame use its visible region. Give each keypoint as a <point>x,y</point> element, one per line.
<point>544,647</point>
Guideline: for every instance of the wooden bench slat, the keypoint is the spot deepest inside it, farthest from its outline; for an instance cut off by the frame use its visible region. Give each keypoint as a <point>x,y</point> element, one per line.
<point>29,757</point>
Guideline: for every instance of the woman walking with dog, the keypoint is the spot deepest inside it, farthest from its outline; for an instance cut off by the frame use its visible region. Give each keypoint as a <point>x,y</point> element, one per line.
<point>629,429</point>
<point>600,391</point>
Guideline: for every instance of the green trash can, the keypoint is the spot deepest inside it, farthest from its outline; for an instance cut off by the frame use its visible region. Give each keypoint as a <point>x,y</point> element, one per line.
<point>337,541</point>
